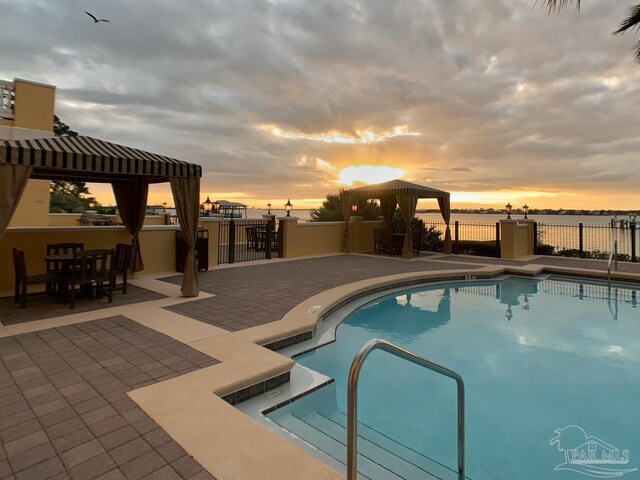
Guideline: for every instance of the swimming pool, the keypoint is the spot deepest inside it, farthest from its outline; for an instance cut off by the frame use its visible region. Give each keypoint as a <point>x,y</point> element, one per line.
<point>551,367</point>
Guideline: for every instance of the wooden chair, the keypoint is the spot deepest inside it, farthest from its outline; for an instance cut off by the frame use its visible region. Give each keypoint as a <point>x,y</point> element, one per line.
<point>377,240</point>
<point>417,241</point>
<point>22,280</point>
<point>91,268</point>
<point>56,267</point>
<point>120,265</point>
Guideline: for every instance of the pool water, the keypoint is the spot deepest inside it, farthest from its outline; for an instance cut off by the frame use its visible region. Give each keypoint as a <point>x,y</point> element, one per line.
<point>536,355</point>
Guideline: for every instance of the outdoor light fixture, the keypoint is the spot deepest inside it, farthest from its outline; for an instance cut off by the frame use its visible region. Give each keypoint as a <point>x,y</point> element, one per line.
<point>216,207</point>
<point>51,190</point>
<point>287,207</point>
<point>508,207</point>
<point>509,313</point>
<point>269,208</point>
<point>164,206</point>
<point>525,302</point>
<point>92,204</point>
<point>207,205</point>
<point>525,209</point>
<point>354,208</point>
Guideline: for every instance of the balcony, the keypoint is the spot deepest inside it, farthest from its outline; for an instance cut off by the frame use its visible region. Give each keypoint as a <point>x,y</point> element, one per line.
<point>7,99</point>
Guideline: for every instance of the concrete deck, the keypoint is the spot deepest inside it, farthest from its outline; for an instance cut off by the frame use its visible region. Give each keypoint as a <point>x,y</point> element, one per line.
<point>67,381</point>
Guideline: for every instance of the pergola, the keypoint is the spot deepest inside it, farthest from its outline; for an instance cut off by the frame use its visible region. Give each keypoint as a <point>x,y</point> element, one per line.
<point>402,194</point>
<point>129,170</point>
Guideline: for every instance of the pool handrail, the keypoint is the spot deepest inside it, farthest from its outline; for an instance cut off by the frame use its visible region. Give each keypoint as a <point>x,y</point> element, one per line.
<point>352,399</point>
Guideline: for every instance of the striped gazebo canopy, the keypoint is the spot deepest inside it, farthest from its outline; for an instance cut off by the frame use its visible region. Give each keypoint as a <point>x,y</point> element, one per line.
<point>129,170</point>
<point>405,195</point>
<point>396,187</point>
<point>93,160</point>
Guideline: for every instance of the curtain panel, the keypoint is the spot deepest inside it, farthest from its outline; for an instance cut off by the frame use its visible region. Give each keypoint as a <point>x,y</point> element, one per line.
<point>186,194</point>
<point>407,205</point>
<point>131,198</point>
<point>13,179</point>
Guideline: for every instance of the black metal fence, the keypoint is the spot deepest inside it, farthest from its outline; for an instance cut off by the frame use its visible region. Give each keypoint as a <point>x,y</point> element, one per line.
<point>468,238</point>
<point>241,240</point>
<point>586,241</point>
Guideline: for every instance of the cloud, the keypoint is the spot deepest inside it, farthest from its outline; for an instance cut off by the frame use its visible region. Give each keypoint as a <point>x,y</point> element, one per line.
<point>468,96</point>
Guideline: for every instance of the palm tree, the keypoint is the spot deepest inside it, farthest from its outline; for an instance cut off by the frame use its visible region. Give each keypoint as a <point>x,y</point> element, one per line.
<point>631,21</point>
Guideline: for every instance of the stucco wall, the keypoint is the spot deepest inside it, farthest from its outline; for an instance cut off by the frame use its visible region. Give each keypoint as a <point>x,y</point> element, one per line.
<point>157,244</point>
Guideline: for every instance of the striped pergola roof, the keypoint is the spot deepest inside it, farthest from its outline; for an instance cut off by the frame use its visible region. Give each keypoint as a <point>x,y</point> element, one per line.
<point>91,159</point>
<point>396,187</point>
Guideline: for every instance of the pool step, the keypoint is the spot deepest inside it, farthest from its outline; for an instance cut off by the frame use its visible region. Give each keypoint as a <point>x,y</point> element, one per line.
<point>379,457</point>
<point>334,448</point>
<point>408,455</point>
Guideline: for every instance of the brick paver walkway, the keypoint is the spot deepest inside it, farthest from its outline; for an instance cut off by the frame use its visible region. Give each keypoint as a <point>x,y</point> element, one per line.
<point>254,295</point>
<point>64,412</point>
<point>43,306</point>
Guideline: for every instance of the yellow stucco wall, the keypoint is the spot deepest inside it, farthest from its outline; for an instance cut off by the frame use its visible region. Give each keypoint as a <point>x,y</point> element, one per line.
<point>34,105</point>
<point>33,209</point>
<point>312,238</point>
<point>157,244</point>
<point>33,118</point>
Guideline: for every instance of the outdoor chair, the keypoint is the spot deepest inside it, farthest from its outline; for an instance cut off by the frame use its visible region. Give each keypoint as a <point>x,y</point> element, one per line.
<point>57,267</point>
<point>252,240</point>
<point>416,236</point>
<point>22,280</point>
<point>377,240</point>
<point>91,268</point>
<point>120,265</point>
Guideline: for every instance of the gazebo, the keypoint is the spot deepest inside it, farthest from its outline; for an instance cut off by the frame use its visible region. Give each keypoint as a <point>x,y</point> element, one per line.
<point>129,170</point>
<point>405,195</point>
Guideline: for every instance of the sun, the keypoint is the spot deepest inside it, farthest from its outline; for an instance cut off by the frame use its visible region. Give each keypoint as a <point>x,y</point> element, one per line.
<point>368,174</point>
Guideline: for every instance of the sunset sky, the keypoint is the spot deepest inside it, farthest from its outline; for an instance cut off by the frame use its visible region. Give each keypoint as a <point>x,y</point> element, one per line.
<point>493,100</point>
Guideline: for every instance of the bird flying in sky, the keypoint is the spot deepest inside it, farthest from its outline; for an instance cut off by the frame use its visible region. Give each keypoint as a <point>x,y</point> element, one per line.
<point>96,20</point>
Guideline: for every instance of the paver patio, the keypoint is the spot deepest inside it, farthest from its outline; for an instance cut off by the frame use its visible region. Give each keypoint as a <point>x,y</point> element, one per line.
<point>64,412</point>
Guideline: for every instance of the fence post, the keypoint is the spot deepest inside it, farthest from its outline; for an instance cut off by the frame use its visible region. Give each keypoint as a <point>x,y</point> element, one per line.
<point>269,235</point>
<point>581,238</point>
<point>456,242</point>
<point>232,241</point>
<point>632,229</point>
<point>498,254</point>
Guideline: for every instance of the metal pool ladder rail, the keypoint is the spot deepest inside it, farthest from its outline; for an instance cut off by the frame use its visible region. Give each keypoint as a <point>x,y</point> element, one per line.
<point>352,399</point>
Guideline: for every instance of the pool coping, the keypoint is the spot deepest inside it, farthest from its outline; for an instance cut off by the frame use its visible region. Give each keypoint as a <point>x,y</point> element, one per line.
<point>229,444</point>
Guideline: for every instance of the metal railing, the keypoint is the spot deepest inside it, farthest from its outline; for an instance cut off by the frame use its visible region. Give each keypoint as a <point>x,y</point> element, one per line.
<point>352,399</point>
<point>7,99</point>
<point>469,238</point>
<point>241,240</point>
<point>587,241</point>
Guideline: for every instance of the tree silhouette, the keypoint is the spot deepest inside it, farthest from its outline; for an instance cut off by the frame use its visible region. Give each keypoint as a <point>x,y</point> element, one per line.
<point>631,21</point>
